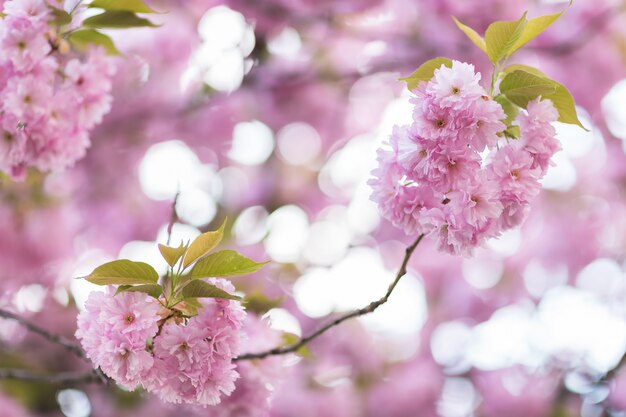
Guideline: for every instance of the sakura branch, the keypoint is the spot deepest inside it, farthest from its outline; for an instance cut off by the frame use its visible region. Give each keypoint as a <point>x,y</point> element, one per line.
<point>370,308</point>
<point>62,378</point>
<point>54,338</point>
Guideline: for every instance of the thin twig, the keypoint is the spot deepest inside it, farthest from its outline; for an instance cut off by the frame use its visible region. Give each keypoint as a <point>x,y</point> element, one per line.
<point>173,219</point>
<point>59,340</point>
<point>281,350</point>
<point>60,378</point>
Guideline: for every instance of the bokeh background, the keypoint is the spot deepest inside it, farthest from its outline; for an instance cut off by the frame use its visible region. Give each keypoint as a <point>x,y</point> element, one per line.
<point>269,112</point>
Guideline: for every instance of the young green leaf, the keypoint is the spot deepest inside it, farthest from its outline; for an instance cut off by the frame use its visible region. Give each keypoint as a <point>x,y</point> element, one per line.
<point>425,72</point>
<point>123,272</point>
<point>200,289</point>
<point>501,37</point>
<point>520,67</point>
<point>561,97</point>
<point>153,290</point>
<point>225,263</point>
<point>510,109</point>
<point>59,17</point>
<point>137,6</point>
<point>520,87</point>
<point>472,34</point>
<point>82,39</point>
<point>117,19</point>
<point>203,244</point>
<point>564,103</point>
<point>534,28</point>
<point>172,255</point>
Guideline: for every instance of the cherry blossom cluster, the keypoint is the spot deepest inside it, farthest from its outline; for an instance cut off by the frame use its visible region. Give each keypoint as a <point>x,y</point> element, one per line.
<point>453,173</point>
<point>49,101</point>
<point>138,342</point>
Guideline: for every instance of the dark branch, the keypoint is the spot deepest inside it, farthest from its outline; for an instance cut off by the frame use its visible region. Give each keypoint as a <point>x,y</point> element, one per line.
<point>60,378</point>
<point>54,338</point>
<point>59,340</point>
<point>281,350</point>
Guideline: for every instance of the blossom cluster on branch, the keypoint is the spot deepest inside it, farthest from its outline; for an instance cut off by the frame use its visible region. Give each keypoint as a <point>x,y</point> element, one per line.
<point>454,174</point>
<point>51,99</point>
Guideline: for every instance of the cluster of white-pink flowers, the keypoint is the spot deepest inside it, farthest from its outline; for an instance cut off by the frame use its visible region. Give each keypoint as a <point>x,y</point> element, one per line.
<point>49,102</point>
<point>138,342</point>
<point>452,174</point>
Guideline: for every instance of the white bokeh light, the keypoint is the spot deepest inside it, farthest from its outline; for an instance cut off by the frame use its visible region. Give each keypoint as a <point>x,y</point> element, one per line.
<point>282,320</point>
<point>320,291</point>
<point>562,176</point>
<point>251,225</point>
<point>299,143</point>
<point>252,143</point>
<point>287,43</point>
<point>482,272</point>
<point>327,243</point>
<point>165,167</point>
<point>74,403</point>
<point>288,231</point>
<point>171,167</point>
<point>615,111</point>
<point>220,61</point>
<point>448,343</point>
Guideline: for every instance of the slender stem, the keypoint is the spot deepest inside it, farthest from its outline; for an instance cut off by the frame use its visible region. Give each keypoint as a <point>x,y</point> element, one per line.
<point>281,350</point>
<point>60,378</point>
<point>59,340</point>
<point>173,218</point>
<point>494,78</point>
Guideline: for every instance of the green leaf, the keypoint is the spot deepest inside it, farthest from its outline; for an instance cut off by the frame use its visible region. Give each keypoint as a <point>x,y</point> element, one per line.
<point>501,37</point>
<point>59,17</point>
<point>153,290</point>
<point>200,289</point>
<point>425,72</point>
<point>225,263</point>
<point>117,19</point>
<point>519,67</point>
<point>561,97</point>
<point>520,87</point>
<point>472,34</point>
<point>137,6</point>
<point>123,272</point>
<point>203,244</point>
<point>82,39</point>
<point>172,255</point>
<point>510,109</point>
<point>534,27</point>
<point>564,103</point>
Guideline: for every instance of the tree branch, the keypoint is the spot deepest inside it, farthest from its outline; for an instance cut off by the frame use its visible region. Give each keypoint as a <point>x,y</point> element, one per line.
<point>54,338</point>
<point>59,340</point>
<point>281,350</point>
<point>60,378</point>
